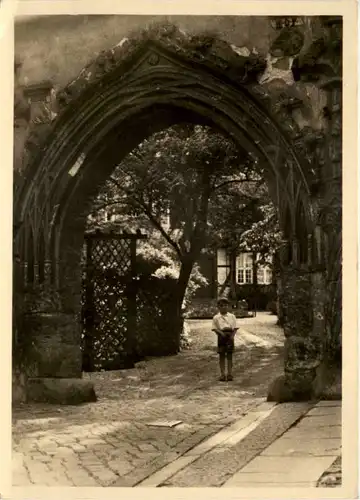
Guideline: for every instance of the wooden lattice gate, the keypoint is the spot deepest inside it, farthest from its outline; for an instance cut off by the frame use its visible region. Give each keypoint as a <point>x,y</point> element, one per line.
<point>109,300</point>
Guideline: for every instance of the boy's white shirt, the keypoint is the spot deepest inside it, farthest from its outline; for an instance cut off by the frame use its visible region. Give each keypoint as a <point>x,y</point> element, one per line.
<point>221,321</point>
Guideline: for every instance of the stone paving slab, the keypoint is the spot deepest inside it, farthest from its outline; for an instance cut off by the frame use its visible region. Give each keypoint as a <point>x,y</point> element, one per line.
<point>267,478</point>
<point>326,411</point>
<point>335,403</point>
<point>272,484</point>
<point>321,447</point>
<point>304,468</point>
<point>320,421</point>
<point>306,432</point>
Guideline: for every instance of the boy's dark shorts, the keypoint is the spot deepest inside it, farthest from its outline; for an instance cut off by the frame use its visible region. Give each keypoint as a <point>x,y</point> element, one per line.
<point>225,344</point>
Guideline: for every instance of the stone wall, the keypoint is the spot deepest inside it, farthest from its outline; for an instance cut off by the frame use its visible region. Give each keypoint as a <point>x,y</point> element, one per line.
<point>19,393</point>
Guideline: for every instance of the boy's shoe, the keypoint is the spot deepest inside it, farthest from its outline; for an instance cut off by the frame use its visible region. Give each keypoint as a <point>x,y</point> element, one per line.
<point>229,378</point>
<point>222,378</point>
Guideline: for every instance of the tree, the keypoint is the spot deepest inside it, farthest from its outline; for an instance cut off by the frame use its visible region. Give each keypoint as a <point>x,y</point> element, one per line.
<point>188,172</point>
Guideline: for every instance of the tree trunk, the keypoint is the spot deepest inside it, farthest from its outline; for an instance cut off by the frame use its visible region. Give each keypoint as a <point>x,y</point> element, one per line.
<point>176,313</point>
<point>185,272</point>
<point>225,285</point>
<point>196,243</point>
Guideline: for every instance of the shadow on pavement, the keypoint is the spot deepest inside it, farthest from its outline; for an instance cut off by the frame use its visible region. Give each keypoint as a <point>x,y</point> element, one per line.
<point>172,386</point>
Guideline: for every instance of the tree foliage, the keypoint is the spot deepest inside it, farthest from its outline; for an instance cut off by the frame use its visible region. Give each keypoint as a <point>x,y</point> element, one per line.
<point>190,187</point>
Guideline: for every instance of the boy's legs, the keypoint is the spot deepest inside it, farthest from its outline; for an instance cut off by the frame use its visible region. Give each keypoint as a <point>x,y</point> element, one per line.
<point>229,364</point>
<point>222,365</point>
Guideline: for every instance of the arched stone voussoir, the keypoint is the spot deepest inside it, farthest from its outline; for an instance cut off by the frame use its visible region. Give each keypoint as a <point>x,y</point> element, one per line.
<point>206,49</point>
<point>299,111</point>
<point>224,70</point>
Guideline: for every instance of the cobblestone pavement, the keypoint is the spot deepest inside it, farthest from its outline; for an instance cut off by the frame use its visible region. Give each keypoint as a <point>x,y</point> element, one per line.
<point>110,442</point>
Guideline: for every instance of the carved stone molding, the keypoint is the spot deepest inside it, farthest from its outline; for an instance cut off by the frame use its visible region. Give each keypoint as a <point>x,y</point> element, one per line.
<point>206,50</point>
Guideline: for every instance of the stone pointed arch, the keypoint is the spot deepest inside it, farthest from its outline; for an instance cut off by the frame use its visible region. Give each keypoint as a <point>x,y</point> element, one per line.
<point>144,84</point>
<point>147,83</point>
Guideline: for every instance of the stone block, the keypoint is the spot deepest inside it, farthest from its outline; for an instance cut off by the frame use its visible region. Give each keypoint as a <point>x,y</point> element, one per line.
<point>279,391</point>
<point>319,447</point>
<point>255,483</point>
<point>332,391</point>
<point>320,421</point>
<point>305,432</point>
<point>56,351</point>
<point>64,327</point>
<point>285,470</point>
<point>120,466</point>
<point>328,383</point>
<point>68,391</point>
<point>18,387</point>
<point>55,359</point>
<point>330,403</point>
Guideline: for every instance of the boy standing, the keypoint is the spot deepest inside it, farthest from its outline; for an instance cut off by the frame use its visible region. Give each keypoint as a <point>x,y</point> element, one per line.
<point>224,325</point>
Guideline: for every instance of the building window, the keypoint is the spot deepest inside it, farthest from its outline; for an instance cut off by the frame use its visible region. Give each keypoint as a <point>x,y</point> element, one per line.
<point>244,271</point>
<point>261,275</point>
<point>244,268</point>
<point>223,258</point>
<point>248,276</point>
<point>268,276</point>
<point>223,266</point>
<point>264,275</point>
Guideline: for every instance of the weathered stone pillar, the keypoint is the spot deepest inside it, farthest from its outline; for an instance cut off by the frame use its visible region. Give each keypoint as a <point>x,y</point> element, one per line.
<point>300,357</point>
<point>332,218</point>
<point>312,296</point>
<point>49,333</point>
<point>54,356</point>
<point>303,299</point>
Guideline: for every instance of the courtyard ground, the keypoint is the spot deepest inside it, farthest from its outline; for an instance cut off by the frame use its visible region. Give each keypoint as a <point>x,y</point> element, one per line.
<point>162,422</point>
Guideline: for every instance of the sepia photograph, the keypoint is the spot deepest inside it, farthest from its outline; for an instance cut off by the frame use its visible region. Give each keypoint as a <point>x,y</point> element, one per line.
<point>177,251</point>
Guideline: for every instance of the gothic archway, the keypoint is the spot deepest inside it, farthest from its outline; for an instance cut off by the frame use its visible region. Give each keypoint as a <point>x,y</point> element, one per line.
<point>127,94</point>
<point>124,97</point>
